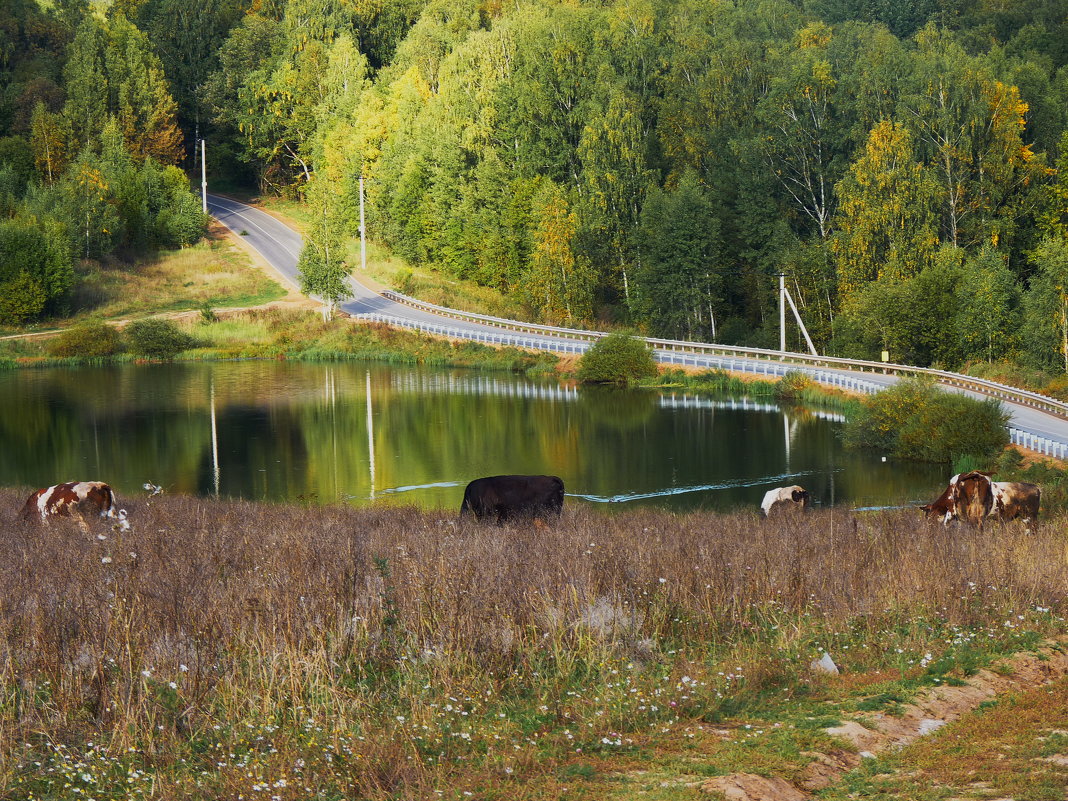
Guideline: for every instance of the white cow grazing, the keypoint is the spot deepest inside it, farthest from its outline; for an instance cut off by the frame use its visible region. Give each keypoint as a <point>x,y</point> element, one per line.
<point>795,497</point>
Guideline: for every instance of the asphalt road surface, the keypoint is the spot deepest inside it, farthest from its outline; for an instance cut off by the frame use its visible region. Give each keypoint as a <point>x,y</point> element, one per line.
<point>280,245</point>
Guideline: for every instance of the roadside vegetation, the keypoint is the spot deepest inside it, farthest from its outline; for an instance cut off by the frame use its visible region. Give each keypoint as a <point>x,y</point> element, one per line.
<point>914,419</point>
<point>227,648</point>
<point>619,358</point>
<point>264,334</point>
<point>211,273</point>
<point>1042,381</point>
<point>432,286</point>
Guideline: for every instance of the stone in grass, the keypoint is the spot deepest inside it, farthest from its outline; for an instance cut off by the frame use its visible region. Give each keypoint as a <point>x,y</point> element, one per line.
<point>928,725</point>
<point>824,665</point>
<point>750,787</point>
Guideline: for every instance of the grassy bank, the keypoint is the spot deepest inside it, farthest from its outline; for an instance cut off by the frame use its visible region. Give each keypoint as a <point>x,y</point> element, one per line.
<point>225,649</point>
<point>305,336</point>
<point>792,388</point>
<point>214,272</point>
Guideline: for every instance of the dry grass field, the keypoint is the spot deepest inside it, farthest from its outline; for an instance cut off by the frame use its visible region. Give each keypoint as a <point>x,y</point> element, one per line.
<point>214,272</point>
<point>231,650</point>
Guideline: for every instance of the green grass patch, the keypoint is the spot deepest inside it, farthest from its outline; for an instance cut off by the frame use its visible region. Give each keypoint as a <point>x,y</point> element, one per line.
<point>428,284</point>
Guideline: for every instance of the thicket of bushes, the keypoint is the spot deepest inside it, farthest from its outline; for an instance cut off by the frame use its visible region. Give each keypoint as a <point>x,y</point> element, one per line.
<point>159,339</point>
<point>617,359</point>
<point>153,338</point>
<point>916,420</point>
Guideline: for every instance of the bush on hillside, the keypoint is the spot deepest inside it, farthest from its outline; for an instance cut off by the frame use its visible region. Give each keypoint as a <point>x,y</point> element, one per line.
<point>617,359</point>
<point>158,339</point>
<point>916,420</point>
<point>87,341</point>
<point>791,387</point>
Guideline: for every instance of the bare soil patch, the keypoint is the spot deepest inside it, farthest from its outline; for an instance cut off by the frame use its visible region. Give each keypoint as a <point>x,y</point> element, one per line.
<point>881,732</point>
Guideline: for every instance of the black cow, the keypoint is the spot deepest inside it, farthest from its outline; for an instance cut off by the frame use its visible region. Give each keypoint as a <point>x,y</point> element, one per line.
<point>505,498</point>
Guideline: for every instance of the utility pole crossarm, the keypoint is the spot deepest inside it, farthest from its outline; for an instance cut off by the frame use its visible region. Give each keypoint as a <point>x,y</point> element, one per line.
<point>784,298</point>
<point>804,330</point>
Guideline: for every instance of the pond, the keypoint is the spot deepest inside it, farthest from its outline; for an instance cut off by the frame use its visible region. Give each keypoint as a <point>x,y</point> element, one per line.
<point>373,434</point>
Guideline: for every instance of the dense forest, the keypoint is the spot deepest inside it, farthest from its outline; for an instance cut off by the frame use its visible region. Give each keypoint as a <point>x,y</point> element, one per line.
<point>653,163</point>
<point>89,153</point>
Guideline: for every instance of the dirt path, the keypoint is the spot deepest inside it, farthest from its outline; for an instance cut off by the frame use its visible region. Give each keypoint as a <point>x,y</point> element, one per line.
<point>881,733</point>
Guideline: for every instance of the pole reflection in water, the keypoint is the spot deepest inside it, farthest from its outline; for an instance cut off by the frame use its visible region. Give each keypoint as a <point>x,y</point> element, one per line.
<point>291,431</point>
<point>215,472</point>
<point>370,437</point>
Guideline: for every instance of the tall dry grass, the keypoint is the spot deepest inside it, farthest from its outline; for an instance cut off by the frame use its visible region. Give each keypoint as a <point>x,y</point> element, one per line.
<point>220,645</point>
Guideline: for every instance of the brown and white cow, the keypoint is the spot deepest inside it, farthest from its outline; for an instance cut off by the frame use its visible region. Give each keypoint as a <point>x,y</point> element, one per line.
<point>73,498</point>
<point>781,499</point>
<point>942,508</point>
<point>1016,499</point>
<point>972,496</point>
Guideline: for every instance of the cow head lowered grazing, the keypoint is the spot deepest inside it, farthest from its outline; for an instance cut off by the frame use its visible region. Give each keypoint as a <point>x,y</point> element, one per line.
<point>506,498</point>
<point>71,500</point>
<point>781,499</point>
<point>972,496</point>
<point>942,508</point>
<point>975,497</point>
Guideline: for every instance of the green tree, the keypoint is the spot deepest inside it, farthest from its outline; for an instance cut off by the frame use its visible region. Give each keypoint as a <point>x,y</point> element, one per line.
<point>969,126</point>
<point>111,70</point>
<point>887,225</point>
<point>48,137</point>
<point>680,283</point>
<point>35,266</point>
<point>615,177</point>
<point>988,318</point>
<point>21,298</point>
<point>85,203</point>
<point>1053,214</point>
<point>187,38</point>
<point>322,266</point>
<point>801,134</point>
<point>559,282</point>
<point>616,359</point>
<point>1046,304</point>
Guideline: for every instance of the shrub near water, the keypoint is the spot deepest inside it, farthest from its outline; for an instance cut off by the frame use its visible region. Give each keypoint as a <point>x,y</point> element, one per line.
<point>87,341</point>
<point>915,420</point>
<point>158,339</point>
<point>617,359</point>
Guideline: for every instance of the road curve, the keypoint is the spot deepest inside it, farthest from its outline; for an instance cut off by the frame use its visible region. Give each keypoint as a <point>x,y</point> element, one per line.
<point>280,245</point>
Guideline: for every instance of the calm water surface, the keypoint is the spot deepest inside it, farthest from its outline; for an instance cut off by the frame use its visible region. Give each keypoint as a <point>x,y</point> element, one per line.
<point>283,431</point>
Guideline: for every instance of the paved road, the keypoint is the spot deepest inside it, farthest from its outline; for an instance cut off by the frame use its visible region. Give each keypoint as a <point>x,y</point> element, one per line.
<point>280,245</point>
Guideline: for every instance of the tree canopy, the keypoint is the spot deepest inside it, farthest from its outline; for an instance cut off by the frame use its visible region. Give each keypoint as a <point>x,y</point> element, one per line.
<point>655,163</point>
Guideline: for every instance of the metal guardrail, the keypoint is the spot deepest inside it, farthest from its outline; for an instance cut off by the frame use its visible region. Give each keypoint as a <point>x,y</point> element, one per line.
<point>1026,439</point>
<point>1043,445</point>
<point>1020,397</point>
